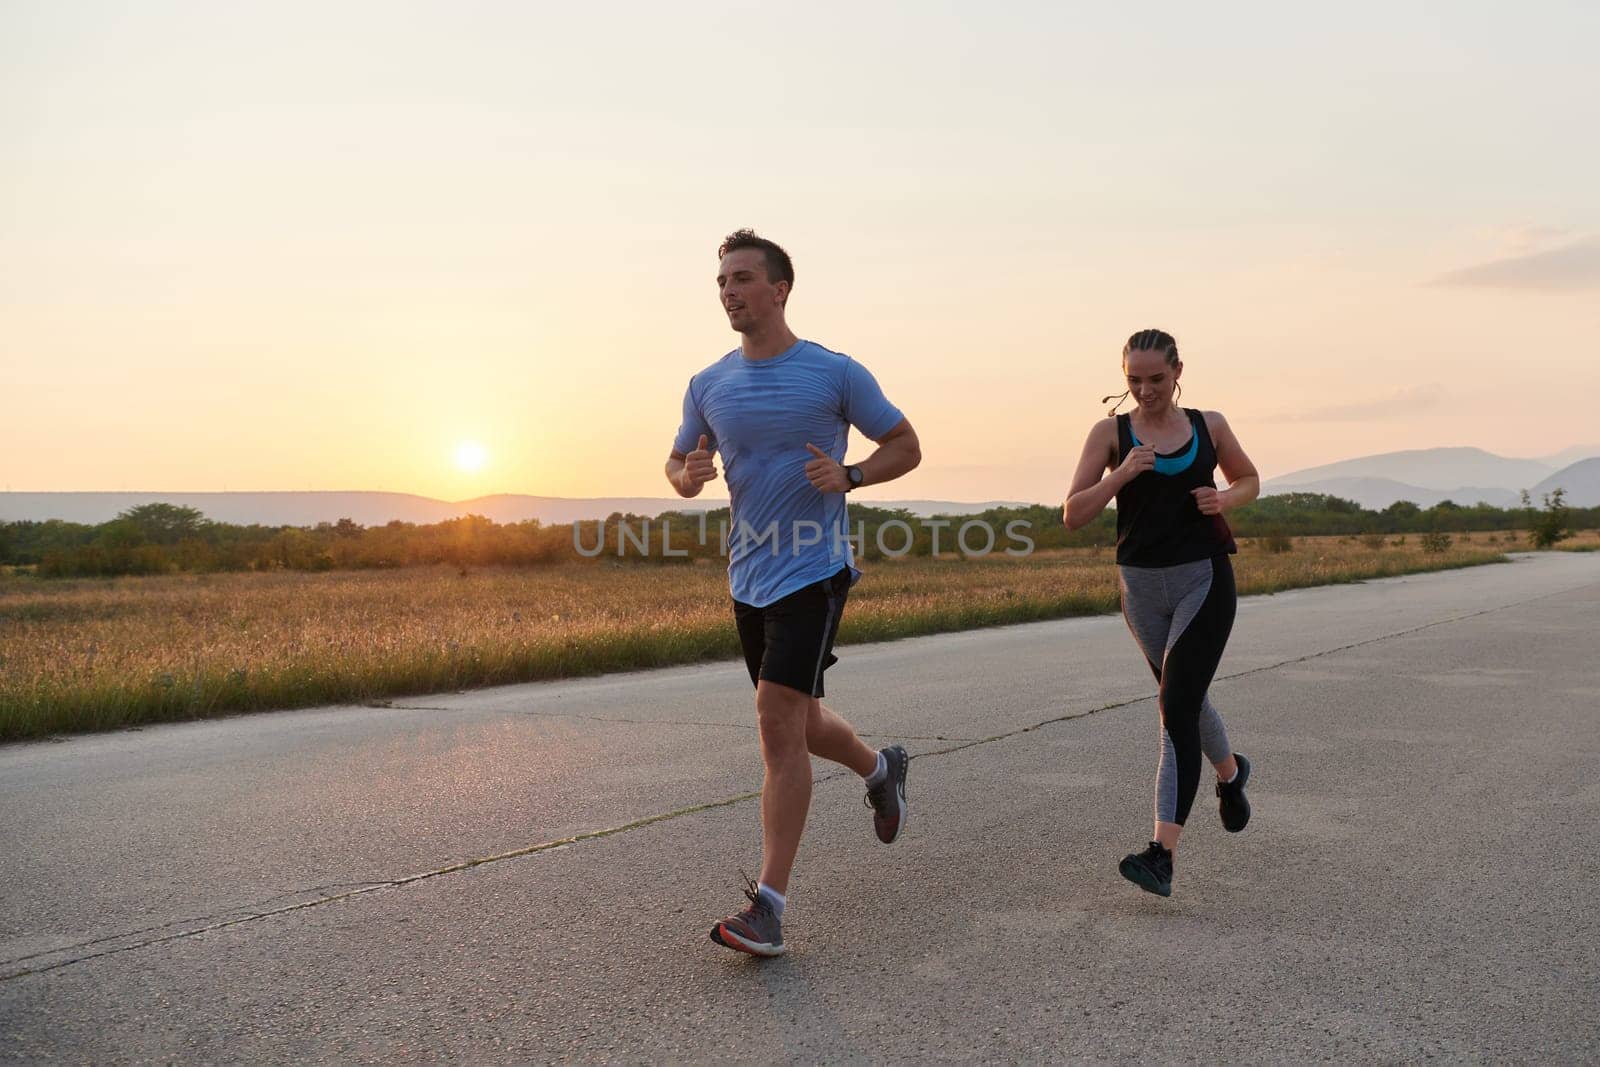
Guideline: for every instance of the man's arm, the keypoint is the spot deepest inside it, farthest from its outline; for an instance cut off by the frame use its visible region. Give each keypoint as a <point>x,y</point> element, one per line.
<point>689,473</point>
<point>898,453</point>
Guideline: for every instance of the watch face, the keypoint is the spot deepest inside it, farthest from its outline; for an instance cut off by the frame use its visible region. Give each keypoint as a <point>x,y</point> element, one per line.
<point>855,475</point>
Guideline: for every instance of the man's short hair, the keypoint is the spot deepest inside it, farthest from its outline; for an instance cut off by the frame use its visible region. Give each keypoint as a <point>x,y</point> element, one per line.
<point>779,267</point>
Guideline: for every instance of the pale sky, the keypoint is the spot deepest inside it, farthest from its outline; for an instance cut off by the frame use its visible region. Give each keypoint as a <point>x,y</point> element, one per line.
<point>321,245</point>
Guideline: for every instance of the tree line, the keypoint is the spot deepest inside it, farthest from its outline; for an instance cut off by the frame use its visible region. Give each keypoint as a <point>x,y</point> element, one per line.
<point>164,538</point>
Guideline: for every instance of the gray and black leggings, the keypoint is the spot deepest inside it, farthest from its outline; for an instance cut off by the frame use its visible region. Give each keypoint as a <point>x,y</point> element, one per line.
<point>1181,616</point>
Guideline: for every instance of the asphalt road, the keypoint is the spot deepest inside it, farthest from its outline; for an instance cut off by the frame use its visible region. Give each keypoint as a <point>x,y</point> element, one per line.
<point>529,873</point>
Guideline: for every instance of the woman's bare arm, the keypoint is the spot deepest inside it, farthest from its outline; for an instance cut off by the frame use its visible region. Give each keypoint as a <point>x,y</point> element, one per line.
<point>1090,493</point>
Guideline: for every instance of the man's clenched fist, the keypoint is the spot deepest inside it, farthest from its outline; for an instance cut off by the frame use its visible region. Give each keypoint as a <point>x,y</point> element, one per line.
<point>698,466</point>
<point>825,473</point>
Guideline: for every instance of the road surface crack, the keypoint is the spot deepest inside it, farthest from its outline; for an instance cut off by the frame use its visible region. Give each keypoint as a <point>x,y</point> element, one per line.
<point>674,722</point>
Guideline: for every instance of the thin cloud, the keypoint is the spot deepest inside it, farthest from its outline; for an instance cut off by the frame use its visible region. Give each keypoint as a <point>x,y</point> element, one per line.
<point>1572,266</point>
<point>1402,402</point>
<point>1522,238</point>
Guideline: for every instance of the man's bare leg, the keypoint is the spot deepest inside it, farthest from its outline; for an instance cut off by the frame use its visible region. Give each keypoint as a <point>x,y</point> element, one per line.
<point>784,715</point>
<point>829,736</point>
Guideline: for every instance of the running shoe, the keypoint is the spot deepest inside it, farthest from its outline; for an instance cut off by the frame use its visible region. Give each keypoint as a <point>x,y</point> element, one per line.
<point>756,930</point>
<point>1232,803</point>
<point>1150,870</point>
<point>887,799</point>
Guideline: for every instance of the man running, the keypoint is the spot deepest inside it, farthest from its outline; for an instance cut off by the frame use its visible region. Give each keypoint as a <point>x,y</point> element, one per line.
<point>779,410</point>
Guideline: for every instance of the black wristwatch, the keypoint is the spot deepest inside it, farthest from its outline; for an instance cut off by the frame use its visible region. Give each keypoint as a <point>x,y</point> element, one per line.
<point>857,479</point>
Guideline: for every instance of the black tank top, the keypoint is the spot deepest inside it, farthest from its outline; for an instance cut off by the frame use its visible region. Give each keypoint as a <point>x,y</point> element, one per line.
<point>1158,522</point>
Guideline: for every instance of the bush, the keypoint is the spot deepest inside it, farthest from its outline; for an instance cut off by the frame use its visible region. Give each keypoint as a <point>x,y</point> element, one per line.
<point>1275,540</point>
<point>1549,526</point>
<point>1375,541</point>
<point>1435,541</point>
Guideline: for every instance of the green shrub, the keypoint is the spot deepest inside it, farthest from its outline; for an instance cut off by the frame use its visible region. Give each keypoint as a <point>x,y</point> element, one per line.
<point>1435,541</point>
<point>1549,526</point>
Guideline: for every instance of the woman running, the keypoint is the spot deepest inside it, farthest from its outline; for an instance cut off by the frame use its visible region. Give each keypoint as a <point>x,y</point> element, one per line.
<point>1177,583</point>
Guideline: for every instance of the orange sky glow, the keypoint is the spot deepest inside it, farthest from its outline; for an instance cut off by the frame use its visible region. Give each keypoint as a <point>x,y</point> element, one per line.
<point>239,254</point>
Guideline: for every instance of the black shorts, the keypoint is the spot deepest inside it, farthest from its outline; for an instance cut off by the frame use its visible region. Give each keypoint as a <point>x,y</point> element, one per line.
<point>790,641</point>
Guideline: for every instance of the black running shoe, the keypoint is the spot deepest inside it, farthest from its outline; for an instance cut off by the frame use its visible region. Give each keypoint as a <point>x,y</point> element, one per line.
<point>1232,803</point>
<point>756,930</point>
<point>887,799</point>
<point>1150,870</point>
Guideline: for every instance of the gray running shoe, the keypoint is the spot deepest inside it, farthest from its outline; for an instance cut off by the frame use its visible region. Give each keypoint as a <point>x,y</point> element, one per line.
<point>887,799</point>
<point>1232,803</point>
<point>756,930</point>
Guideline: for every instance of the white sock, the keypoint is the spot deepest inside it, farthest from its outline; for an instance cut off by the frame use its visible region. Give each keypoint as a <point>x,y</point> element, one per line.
<point>1230,781</point>
<point>775,898</point>
<point>881,773</point>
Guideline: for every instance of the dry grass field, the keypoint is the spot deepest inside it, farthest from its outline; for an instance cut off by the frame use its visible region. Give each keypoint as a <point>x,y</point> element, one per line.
<point>95,654</point>
<point>1584,541</point>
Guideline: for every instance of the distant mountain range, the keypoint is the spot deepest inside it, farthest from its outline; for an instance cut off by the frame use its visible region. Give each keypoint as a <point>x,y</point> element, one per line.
<point>375,509</point>
<point>1423,476</point>
<point>1465,475</point>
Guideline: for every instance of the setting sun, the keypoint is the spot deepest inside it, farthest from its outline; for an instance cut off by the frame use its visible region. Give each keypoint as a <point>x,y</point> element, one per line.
<point>471,456</point>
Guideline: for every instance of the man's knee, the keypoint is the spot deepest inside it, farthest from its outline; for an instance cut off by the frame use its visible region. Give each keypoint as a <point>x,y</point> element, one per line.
<point>783,715</point>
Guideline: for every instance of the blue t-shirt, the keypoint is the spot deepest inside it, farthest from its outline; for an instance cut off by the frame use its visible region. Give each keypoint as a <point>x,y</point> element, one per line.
<point>760,414</point>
